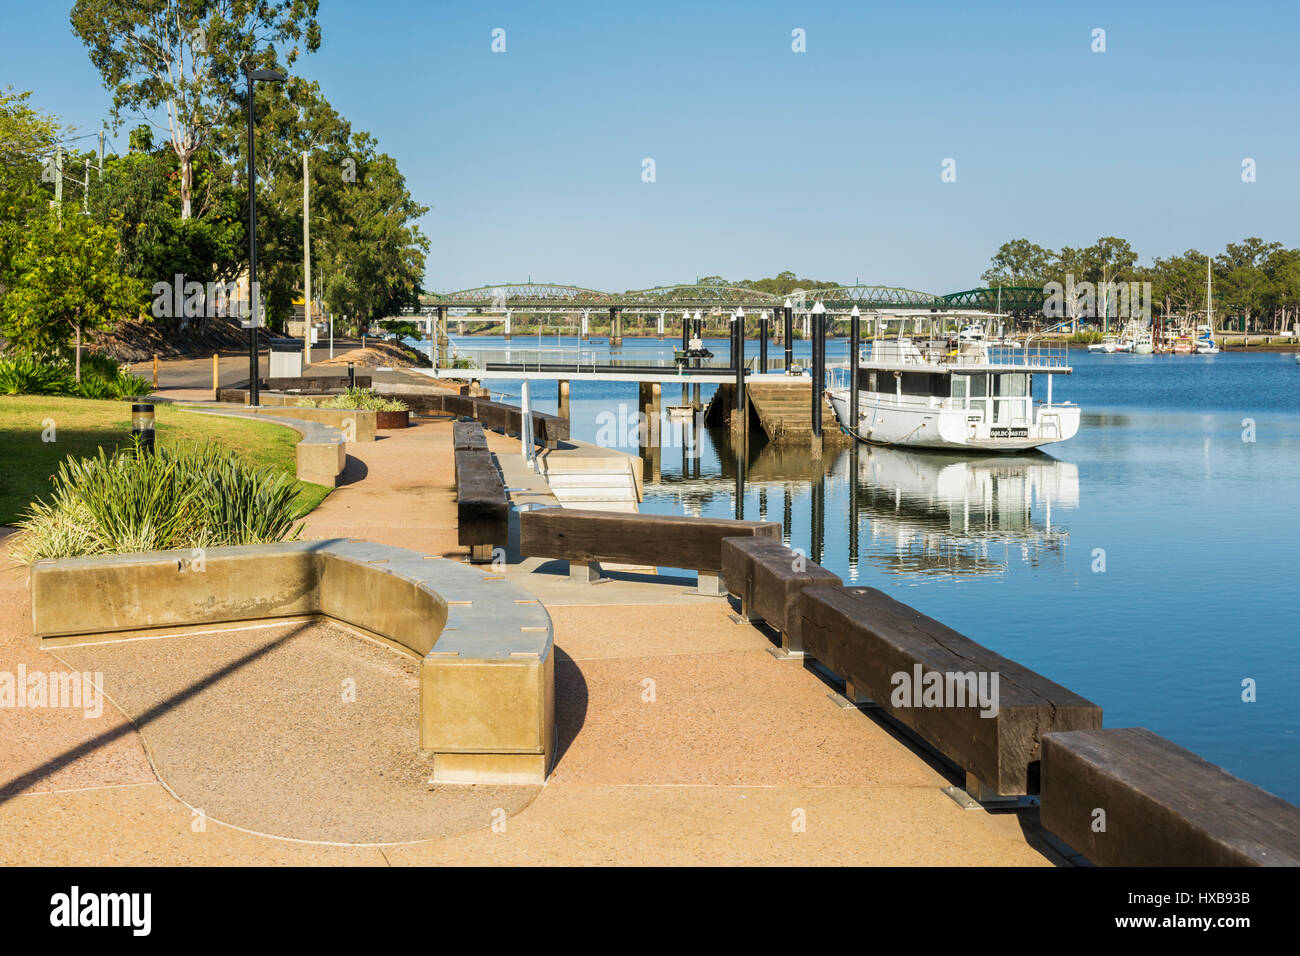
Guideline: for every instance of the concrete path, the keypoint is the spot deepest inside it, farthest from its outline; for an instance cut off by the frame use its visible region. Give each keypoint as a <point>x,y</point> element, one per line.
<point>682,740</point>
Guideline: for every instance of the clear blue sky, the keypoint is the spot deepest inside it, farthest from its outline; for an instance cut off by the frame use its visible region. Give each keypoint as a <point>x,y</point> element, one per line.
<point>825,162</point>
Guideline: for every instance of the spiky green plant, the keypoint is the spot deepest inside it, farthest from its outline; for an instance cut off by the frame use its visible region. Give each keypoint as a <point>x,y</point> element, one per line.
<point>187,496</point>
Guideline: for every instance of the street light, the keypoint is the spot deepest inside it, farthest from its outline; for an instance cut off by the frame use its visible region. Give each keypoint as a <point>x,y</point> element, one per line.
<point>266,76</point>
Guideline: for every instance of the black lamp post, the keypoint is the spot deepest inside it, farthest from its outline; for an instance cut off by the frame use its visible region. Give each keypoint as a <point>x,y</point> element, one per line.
<point>269,76</point>
<point>818,366</point>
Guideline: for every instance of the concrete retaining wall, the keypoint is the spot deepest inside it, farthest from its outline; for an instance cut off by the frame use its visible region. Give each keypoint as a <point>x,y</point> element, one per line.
<point>487,682</point>
<point>322,453</point>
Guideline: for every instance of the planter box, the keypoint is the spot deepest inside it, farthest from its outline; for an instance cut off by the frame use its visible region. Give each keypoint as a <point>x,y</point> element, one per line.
<point>389,420</point>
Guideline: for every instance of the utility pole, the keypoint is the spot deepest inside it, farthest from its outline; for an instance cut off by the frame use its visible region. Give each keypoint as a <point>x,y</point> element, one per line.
<point>58,181</point>
<point>306,263</point>
<point>101,154</point>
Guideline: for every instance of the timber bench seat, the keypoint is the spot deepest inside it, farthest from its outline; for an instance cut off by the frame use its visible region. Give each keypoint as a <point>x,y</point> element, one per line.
<point>468,436</point>
<point>1163,805</point>
<point>548,430</point>
<point>586,538</point>
<point>896,656</point>
<point>767,577</point>
<point>482,510</point>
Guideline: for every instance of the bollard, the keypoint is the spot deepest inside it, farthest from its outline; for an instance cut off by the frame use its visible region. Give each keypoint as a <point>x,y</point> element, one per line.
<point>142,426</point>
<point>155,369</point>
<point>216,377</point>
<point>352,376</point>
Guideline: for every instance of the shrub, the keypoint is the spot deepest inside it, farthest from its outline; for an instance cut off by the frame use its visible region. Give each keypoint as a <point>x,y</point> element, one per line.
<point>101,377</point>
<point>361,398</point>
<point>189,496</point>
<point>92,386</point>
<point>126,385</point>
<point>23,374</point>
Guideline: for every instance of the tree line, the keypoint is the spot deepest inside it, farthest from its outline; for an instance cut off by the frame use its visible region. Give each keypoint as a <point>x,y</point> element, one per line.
<point>176,203</point>
<point>1253,280</point>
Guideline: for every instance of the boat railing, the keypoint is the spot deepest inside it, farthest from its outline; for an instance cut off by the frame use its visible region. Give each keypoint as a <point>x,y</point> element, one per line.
<point>1038,355</point>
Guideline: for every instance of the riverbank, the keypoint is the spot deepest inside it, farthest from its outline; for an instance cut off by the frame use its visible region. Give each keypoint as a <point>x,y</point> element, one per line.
<point>682,740</point>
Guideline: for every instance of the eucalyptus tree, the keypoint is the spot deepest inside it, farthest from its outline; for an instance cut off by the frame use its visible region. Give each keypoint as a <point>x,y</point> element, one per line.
<point>184,57</point>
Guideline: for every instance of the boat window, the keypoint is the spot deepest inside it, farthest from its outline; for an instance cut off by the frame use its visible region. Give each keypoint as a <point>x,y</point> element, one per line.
<point>959,383</point>
<point>924,383</point>
<point>1011,385</point>
<point>979,385</point>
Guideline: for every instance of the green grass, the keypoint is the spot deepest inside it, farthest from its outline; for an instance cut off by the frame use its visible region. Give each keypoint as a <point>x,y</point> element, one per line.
<point>82,426</point>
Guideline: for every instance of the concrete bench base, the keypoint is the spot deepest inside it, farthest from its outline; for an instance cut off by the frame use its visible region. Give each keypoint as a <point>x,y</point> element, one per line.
<point>487,681</point>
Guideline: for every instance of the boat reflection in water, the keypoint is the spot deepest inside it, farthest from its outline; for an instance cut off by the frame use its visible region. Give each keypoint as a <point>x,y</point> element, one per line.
<point>906,512</point>
<point>932,513</point>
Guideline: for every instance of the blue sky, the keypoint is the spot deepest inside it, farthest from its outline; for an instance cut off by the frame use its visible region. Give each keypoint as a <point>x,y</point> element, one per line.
<point>825,162</point>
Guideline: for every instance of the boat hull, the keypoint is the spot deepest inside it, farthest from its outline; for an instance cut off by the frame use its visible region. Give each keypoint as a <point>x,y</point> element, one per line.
<point>886,423</point>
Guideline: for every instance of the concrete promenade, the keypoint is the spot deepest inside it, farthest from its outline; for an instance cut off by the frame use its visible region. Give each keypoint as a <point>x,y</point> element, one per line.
<point>682,740</point>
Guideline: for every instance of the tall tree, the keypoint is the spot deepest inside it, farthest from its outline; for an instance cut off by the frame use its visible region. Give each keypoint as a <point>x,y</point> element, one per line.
<point>185,56</point>
<point>1019,262</point>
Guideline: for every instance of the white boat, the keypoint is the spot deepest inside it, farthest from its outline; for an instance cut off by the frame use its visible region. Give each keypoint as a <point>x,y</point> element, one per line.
<point>1108,344</point>
<point>1136,338</point>
<point>1205,344</point>
<point>971,397</point>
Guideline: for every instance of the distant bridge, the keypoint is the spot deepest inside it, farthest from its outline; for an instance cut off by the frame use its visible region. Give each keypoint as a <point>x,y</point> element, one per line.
<point>531,297</point>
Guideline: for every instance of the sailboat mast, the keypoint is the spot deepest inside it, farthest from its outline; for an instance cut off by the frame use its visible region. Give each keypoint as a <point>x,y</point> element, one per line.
<point>1209,294</point>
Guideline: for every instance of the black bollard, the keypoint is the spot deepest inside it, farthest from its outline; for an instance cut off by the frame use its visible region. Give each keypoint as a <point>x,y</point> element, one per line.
<point>142,426</point>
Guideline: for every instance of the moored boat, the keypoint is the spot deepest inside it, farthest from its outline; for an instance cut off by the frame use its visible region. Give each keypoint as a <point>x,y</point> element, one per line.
<point>926,395</point>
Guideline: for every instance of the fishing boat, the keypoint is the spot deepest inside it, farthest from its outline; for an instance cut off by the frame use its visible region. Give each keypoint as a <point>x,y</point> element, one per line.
<point>1136,338</point>
<point>925,394</point>
<point>1108,344</point>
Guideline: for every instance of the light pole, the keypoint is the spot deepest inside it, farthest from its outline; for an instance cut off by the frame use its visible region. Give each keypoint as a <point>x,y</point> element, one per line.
<point>787,314</point>
<point>269,76</point>
<point>855,335</point>
<point>818,367</point>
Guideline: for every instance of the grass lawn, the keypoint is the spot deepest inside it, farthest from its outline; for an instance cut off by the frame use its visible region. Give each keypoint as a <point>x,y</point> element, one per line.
<point>81,426</point>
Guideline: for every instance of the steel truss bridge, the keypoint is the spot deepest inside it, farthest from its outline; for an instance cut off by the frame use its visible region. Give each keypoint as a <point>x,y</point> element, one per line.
<point>532,297</point>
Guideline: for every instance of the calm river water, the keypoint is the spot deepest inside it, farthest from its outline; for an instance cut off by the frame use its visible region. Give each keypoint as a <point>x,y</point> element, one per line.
<point>1150,564</point>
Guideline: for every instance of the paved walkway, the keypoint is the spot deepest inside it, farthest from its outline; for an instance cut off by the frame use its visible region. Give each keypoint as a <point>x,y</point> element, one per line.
<point>682,740</point>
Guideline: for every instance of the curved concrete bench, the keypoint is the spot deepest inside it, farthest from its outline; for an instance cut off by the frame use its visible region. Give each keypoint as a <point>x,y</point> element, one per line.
<point>322,451</point>
<point>487,679</point>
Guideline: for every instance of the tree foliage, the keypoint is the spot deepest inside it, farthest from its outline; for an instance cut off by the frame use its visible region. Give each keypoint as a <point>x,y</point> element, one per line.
<point>185,56</point>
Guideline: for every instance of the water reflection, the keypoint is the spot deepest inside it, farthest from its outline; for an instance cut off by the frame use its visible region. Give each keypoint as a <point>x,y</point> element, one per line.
<point>931,513</point>
<point>904,511</point>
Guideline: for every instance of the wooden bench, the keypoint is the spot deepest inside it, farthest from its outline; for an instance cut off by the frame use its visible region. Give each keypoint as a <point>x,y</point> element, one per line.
<point>585,538</point>
<point>894,655</point>
<point>548,430</point>
<point>1128,797</point>
<point>767,576</point>
<point>468,436</point>
<point>482,511</point>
